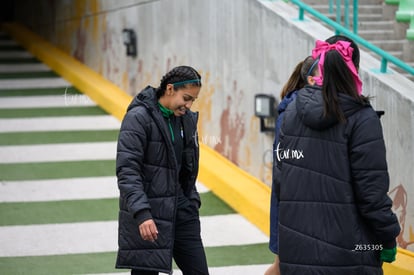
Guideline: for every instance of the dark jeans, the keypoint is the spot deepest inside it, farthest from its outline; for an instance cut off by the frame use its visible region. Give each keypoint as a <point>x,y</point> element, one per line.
<point>188,249</point>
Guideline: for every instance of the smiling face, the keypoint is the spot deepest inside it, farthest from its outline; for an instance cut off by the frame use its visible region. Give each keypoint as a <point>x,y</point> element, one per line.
<point>181,100</point>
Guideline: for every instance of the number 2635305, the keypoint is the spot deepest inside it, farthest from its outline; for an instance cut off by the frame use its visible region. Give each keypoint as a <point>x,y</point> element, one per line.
<point>367,247</point>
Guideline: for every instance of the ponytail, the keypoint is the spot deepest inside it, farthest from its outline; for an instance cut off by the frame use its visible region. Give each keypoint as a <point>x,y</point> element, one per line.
<point>337,79</point>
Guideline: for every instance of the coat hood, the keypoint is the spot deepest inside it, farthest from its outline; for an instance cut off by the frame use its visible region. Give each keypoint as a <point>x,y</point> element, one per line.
<point>146,97</point>
<point>286,101</point>
<point>310,107</point>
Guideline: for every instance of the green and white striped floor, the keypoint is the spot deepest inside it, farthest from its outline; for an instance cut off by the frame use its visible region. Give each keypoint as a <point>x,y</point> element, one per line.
<point>58,192</point>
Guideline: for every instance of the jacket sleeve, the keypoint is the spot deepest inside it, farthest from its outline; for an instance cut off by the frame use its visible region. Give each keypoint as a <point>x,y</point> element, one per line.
<point>371,180</point>
<point>191,158</point>
<point>132,142</point>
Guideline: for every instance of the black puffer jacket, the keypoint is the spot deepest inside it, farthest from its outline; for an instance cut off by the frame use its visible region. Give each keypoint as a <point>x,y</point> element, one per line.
<point>335,214</point>
<point>148,180</point>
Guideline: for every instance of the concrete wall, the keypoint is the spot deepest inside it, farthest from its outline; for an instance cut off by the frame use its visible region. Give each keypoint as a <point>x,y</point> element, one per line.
<point>241,47</point>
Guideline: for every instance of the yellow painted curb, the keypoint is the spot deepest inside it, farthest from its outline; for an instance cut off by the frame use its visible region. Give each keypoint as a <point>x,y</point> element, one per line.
<point>243,192</point>
<point>403,265</point>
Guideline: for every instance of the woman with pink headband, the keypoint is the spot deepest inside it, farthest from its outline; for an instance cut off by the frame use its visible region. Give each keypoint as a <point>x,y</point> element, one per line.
<point>335,215</point>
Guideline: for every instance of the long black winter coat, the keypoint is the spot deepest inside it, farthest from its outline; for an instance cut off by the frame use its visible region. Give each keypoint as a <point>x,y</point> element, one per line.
<point>148,180</point>
<point>335,214</point>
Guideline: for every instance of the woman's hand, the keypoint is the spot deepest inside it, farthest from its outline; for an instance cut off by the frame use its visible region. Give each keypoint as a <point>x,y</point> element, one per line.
<point>148,230</point>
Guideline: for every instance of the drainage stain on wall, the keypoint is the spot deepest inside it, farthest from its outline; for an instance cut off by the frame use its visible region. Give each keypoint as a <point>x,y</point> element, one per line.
<point>400,203</point>
<point>232,126</point>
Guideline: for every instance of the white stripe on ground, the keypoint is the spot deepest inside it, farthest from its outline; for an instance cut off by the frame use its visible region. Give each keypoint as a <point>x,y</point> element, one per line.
<point>223,270</point>
<point>15,54</point>
<point>201,188</point>
<point>63,189</point>
<point>64,100</point>
<point>58,152</point>
<point>34,83</point>
<point>93,237</point>
<point>231,229</point>
<point>59,189</point>
<point>102,122</point>
<point>16,68</point>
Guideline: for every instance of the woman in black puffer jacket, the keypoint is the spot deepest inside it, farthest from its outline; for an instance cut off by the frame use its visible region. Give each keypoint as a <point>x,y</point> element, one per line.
<point>334,215</point>
<point>157,167</point>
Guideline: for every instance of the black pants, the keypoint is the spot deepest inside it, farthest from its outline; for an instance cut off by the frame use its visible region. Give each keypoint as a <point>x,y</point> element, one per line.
<point>188,249</point>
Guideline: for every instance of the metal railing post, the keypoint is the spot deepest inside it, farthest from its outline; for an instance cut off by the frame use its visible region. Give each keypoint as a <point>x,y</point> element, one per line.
<point>346,14</point>
<point>384,62</point>
<point>301,14</point>
<point>338,11</point>
<point>355,17</point>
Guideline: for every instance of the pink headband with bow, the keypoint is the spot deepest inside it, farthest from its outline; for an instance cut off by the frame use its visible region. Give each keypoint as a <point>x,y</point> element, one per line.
<point>342,47</point>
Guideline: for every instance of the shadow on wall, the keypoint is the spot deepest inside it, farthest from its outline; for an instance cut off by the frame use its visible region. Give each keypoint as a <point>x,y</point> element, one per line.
<point>6,11</point>
<point>400,202</point>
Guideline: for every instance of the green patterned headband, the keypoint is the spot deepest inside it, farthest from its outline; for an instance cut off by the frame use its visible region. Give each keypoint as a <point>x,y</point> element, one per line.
<point>187,81</point>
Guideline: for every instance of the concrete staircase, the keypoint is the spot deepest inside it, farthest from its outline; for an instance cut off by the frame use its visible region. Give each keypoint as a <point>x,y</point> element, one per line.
<point>376,24</point>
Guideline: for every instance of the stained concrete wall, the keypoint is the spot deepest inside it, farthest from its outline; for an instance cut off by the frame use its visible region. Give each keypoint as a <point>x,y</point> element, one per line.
<point>241,47</point>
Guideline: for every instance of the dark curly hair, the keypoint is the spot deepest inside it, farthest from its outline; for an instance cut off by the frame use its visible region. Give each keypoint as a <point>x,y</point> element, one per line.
<point>177,75</point>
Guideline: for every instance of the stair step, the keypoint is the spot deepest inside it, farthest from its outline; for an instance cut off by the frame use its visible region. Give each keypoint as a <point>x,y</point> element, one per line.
<point>389,45</point>
<point>397,54</point>
<point>326,2</point>
<point>376,25</point>
<point>371,35</point>
<point>361,17</point>
<point>368,17</point>
<point>362,9</point>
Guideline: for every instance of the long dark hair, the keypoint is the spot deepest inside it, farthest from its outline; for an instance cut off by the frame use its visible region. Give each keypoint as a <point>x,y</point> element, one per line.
<point>177,75</point>
<point>337,78</point>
